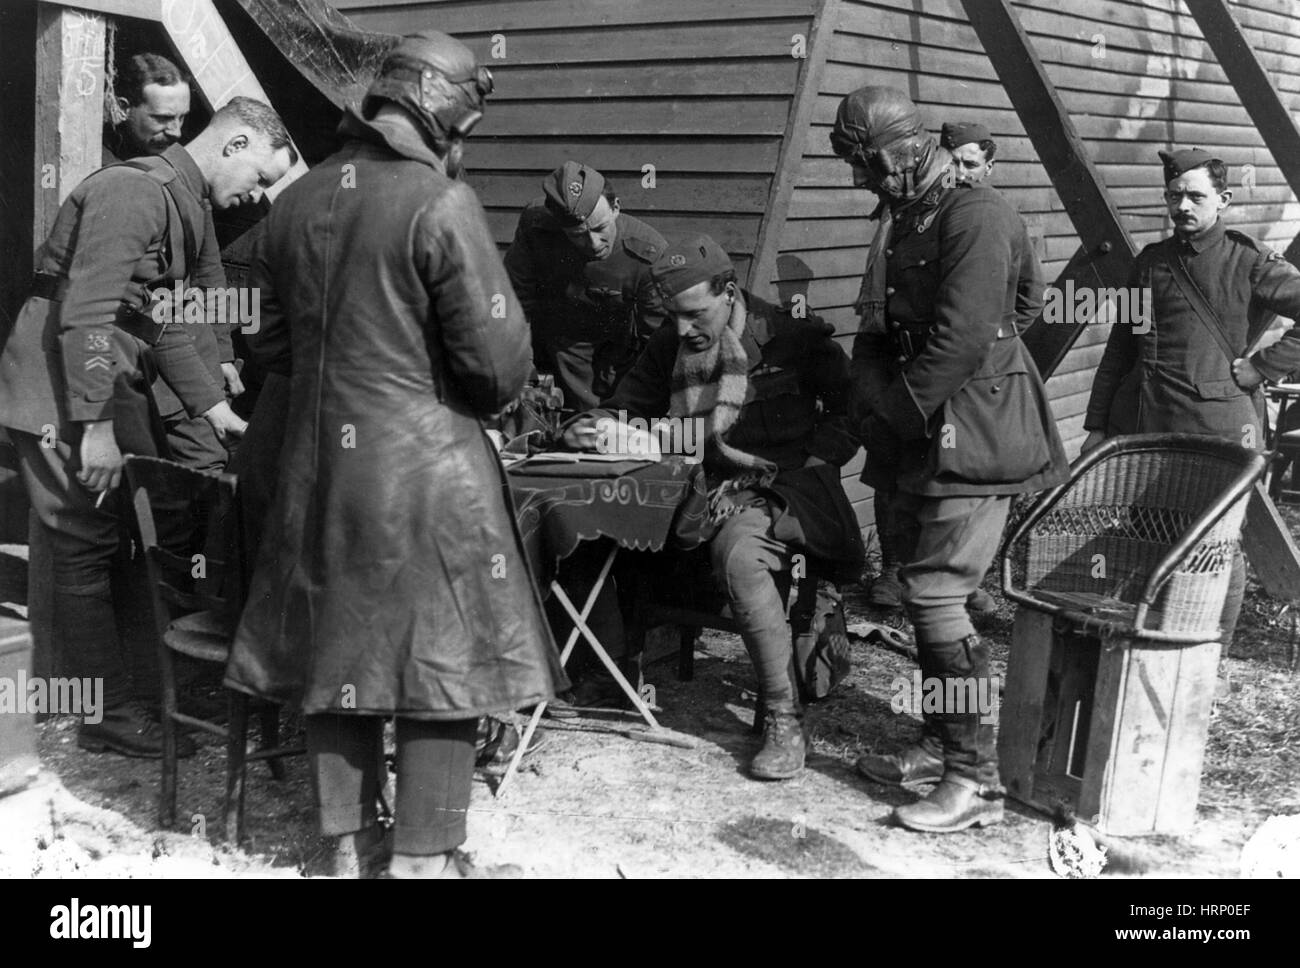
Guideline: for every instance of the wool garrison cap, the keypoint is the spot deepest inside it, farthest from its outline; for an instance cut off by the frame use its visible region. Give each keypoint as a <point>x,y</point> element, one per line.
<point>1185,159</point>
<point>572,192</point>
<point>957,133</point>
<point>688,263</point>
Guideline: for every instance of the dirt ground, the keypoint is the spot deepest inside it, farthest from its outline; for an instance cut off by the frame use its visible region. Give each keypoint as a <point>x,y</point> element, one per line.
<point>593,803</point>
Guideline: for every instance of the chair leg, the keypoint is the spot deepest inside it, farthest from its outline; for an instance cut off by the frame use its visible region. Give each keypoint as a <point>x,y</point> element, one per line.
<point>270,717</point>
<point>167,788</point>
<point>236,752</point>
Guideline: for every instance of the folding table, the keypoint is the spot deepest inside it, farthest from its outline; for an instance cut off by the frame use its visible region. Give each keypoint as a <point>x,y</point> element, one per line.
<point>644,506</point>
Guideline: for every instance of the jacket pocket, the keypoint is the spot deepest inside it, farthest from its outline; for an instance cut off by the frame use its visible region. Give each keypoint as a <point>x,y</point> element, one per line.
<point>1219,390</point>
<point>992,431</point>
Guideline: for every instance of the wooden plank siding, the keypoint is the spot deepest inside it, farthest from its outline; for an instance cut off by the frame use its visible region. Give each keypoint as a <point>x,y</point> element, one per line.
<point>1155,82</point>
<point>707,94</point>
<point>702,92</point>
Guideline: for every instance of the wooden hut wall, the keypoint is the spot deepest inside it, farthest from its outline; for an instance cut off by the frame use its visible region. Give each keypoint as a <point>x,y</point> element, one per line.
<point>705,93</point>
<point>701,91</point>
<point>1134,76</point>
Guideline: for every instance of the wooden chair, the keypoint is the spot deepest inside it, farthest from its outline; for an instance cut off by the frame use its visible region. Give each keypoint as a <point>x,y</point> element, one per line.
<point>196,602</point>
<point>686,595</point>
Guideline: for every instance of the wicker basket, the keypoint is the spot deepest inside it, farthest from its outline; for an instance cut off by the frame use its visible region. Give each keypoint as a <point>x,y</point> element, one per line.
<point>1141,540</point>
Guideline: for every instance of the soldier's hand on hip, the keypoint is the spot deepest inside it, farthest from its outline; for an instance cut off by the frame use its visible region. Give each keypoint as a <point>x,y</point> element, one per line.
<point>225,422</point>
<point>234,385</point>
<point>1244,372</point>
<point>101,461</point>
<point>1092,441</point>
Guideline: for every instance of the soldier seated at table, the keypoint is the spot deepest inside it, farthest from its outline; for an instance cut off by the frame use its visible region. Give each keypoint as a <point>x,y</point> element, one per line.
<point>581,269</point>
<point>768,393</point>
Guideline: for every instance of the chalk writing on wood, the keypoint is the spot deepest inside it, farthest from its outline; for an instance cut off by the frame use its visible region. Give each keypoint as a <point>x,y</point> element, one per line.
<point>83,53</point>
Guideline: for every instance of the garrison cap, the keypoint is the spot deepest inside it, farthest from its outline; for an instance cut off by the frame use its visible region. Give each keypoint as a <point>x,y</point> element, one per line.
<point>958,133</point>
<point>572,192</point>
<point>1185,159</point>
<point>688,263</point>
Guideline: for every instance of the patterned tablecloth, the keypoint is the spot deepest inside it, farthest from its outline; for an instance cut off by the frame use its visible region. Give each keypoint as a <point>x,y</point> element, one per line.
<point>641,506</point>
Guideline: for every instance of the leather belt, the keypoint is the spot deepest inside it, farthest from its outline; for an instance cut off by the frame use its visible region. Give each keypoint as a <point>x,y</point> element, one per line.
<point>132,321</point>
<point>911,342</point>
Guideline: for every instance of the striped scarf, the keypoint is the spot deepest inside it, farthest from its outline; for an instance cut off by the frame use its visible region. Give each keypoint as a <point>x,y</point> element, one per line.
<point>711,385</point>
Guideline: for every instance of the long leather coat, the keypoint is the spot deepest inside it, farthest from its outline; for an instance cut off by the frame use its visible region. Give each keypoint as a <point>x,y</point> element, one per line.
<point>392,578</point>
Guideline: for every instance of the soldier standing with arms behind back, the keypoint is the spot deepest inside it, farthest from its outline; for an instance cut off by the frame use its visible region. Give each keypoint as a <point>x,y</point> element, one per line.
<point>950,406</point>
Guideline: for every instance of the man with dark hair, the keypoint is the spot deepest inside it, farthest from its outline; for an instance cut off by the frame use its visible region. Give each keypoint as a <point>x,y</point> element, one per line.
<point>392,579</point>
<point>972,148</point>
<point>769,392</point>
<point>581,268</point>
<point>1212,291</point>
<point>151,104</point>
<point>953,413</point>
<point>74,388</point>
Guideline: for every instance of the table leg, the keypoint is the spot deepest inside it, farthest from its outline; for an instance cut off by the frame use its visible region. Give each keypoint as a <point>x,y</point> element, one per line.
<point>580,625</point>
<point>656,732</point>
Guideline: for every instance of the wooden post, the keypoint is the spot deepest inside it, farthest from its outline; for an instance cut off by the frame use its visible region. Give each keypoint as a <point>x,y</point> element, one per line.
<point>68,147</point>
<point>1258,95</point>
<point>70,86</point>
<point>1108,251</point>
<point>793,145</point>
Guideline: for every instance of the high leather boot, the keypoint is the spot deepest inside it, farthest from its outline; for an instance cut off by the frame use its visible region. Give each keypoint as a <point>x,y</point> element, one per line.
<point>922,762</point>
<point>969,793</point>
<point>784,743</point>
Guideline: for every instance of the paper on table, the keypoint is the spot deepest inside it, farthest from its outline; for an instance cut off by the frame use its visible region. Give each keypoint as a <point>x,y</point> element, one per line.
<point>583,457</point>
<point>636,445</point>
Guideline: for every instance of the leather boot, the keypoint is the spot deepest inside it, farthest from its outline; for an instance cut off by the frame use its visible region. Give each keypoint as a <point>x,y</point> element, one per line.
<point>130,730</point>
<point>969,793</point>
<point>784,743</point>
<point>919,763</point>
<point>886,589</point>
<point>956,803</point>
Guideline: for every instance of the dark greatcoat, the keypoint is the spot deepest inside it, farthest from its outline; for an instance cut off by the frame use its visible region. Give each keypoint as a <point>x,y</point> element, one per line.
<point>392,578</point>
<point>1185,382</point>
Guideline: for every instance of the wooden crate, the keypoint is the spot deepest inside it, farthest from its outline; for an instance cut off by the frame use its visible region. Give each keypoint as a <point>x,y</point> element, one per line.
<point>18,761</point>
<point>1116,734</point>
